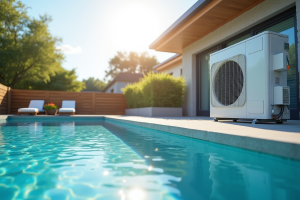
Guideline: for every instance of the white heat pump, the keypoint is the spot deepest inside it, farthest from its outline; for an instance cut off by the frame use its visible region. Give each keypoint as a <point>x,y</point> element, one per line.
<point>249,80</point>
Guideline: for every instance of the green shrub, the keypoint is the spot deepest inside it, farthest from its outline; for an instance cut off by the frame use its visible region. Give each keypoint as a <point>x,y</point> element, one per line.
<point>155,90</point>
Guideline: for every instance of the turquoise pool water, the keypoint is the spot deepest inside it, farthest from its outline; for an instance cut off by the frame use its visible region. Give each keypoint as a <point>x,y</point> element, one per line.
<point>109,160</point>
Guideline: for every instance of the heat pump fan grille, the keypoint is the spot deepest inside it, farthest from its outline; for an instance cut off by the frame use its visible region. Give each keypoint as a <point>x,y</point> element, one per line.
<point>228,82</point>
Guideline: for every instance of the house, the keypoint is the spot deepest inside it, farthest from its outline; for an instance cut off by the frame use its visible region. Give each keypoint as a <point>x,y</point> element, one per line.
<point>172,66</point>
<point>211,25</point>
<point>121,81</point>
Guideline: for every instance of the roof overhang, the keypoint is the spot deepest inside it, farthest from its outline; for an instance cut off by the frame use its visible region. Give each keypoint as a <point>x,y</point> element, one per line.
<point>168,63</point>
<point>201,19</point>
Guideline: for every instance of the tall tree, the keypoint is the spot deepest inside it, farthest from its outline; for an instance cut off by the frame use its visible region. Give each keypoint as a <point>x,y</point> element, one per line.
<point>62,80</point>
<point>27,49</point>
<point>93,84</point>
<point>130,62</point>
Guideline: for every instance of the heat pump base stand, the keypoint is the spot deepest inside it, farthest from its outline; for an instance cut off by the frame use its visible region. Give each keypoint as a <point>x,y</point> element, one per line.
<point>254,121</point>
<point>217,119</point>
<point>258,121</point>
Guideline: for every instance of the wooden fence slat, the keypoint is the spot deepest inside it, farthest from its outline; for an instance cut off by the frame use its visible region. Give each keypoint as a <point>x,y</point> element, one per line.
<point>8,99</point>
<point>93,103</point>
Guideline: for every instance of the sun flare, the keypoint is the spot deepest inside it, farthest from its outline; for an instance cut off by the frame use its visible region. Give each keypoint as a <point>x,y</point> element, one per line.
<point>133,25</point>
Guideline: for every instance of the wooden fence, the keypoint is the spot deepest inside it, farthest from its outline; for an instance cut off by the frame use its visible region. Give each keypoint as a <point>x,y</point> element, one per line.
<point>87,103</point>
<point>5,99</point>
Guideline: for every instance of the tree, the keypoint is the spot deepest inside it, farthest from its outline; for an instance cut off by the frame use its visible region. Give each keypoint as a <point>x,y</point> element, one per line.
<point>130,62</point>
<point>147,63</point>
<point>62,80</point>
<point>27,49</point>
<point>93,84</point>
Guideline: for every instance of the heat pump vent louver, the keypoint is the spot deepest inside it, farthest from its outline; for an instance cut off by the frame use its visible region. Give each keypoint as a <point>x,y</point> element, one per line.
<point>286,95</point>
<point>228,82</point>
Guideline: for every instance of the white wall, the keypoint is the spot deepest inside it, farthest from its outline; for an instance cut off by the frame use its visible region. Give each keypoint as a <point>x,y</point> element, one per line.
<point>117,86</point>
<point>175,69</point>
<point>254,16</point>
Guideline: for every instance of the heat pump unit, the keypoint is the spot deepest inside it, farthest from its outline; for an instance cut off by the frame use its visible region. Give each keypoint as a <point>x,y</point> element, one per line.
<point>249,80</point>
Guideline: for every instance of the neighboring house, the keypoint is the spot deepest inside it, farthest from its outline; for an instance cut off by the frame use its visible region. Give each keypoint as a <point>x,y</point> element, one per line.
<point>121,81</point>
<point>172,66</point>
<point>212,25</point>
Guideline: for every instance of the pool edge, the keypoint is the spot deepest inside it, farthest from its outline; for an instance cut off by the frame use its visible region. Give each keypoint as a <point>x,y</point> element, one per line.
<point>277,148</point>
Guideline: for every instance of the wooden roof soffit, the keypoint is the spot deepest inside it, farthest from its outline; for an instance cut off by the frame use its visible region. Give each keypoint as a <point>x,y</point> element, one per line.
<point>211,17</point>
<point>169,63</point>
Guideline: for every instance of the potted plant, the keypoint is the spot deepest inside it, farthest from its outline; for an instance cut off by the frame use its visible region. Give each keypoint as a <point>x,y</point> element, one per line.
<point>50,109</point>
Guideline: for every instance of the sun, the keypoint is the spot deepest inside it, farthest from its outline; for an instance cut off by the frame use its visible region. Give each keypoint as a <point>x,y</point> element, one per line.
<point>133,25</point>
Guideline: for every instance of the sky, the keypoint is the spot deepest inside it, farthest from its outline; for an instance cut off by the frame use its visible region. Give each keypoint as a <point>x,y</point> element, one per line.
<point>93,31</point>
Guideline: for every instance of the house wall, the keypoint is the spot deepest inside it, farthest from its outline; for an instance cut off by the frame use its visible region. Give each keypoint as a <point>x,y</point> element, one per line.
<point>175,69</point>
<point>263,11</point>
<point>117,86</point>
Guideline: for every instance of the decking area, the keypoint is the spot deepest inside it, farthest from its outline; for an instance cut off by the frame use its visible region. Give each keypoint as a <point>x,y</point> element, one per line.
<point>276,139</point>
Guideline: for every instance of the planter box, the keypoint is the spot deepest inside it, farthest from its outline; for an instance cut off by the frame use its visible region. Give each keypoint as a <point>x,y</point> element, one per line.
<point>51,112</point>
<point>154,112</point>
<point>132,112</point>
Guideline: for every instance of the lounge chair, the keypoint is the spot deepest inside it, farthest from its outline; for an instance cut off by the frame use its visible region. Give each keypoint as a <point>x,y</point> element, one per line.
<point>68,107</point>
<point>35,106</point>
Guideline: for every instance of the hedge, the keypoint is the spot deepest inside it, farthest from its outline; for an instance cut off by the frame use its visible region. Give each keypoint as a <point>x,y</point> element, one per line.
<point>155,90</point>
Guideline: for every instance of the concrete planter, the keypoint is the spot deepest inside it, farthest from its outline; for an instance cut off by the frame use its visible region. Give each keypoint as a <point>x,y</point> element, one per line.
<point>154,112</point>
<point>132,112</point>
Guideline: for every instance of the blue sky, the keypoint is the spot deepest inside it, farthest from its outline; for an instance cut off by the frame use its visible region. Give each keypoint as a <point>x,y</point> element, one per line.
<point>94,30</point>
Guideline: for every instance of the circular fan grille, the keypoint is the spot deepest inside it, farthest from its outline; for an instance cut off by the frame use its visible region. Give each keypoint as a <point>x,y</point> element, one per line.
<point>228,83</point>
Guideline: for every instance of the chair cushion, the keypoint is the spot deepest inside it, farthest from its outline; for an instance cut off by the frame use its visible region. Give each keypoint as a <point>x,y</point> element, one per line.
<point>68,104</point>
<point>28,110</point>
<point>67,110</point>
<point>39,104</point>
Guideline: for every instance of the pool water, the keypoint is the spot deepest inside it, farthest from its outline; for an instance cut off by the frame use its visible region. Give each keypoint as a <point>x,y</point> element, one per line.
<point>109,160</point>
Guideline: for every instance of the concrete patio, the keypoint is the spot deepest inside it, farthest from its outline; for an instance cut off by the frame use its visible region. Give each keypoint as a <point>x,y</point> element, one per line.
<point>277,139</point>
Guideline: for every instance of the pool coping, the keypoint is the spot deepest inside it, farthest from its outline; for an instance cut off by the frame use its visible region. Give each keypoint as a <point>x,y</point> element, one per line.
<point>274,146</point>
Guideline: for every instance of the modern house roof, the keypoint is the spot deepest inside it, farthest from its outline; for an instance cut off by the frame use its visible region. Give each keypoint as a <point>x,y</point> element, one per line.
<point>201,19</point>
<point>125,77</point>
<point>168,63</point>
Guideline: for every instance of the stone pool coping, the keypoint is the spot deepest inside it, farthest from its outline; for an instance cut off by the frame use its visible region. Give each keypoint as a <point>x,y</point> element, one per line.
<point>277,139</point>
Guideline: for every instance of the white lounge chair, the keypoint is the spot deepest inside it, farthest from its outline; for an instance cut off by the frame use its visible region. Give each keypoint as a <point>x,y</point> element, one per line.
<point>68,107</point>
<point>35,106</point>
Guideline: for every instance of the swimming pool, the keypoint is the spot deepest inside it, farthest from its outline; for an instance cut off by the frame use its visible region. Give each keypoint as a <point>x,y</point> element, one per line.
<point>109,160</point>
